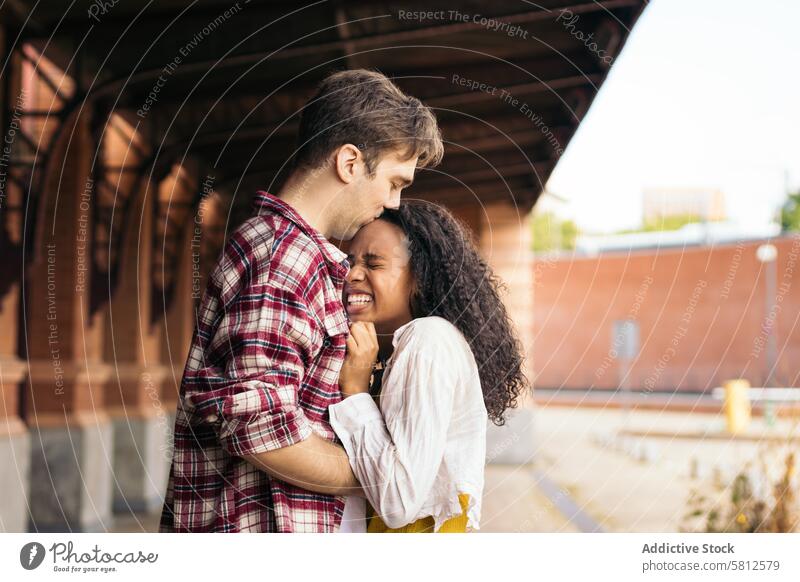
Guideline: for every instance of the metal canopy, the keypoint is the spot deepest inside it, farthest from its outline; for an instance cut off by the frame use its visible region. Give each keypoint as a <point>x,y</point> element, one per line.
<point>231,78</point>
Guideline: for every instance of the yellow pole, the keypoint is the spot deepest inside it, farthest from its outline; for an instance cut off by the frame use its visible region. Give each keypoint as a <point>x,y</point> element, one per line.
<point>737,405</point>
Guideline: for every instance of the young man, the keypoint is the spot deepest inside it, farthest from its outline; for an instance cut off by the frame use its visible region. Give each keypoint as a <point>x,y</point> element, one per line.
<point>254,450</point>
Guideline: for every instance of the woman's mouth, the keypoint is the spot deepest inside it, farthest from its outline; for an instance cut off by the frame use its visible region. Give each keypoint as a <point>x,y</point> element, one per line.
<point>358,302</point>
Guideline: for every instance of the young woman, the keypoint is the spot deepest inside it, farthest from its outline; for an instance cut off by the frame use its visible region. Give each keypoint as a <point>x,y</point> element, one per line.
<point>426,307</point>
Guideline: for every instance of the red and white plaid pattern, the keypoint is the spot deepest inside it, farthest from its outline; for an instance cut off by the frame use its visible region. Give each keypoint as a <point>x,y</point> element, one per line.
<point>262,370</point>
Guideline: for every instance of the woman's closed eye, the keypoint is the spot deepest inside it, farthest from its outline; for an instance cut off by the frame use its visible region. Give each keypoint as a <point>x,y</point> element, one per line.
<point>372,261</point>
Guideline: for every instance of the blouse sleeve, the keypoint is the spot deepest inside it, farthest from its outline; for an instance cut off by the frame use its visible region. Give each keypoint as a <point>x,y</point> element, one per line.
<point>396,455</point>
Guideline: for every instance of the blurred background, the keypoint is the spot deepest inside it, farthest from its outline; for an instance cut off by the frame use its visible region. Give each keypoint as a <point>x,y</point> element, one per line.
<point>630,170</point>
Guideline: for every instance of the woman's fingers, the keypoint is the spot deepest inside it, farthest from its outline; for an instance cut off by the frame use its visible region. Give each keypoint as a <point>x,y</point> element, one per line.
<point>371,333</point>
<point>359,332</point>
<point>365,333</point>
<point>363,338</point>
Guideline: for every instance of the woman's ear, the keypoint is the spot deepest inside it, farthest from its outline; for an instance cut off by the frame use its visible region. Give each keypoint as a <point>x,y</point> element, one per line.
<point>349,163</point>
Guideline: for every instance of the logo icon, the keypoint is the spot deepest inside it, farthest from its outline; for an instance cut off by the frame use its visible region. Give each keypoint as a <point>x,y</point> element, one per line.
<point>31,555</point>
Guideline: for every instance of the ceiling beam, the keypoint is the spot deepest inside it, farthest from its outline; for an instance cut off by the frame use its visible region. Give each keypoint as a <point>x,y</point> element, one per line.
<point>355,43</point>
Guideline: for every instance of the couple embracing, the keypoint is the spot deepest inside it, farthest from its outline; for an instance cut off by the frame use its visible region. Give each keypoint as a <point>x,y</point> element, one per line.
<point>344,392</point>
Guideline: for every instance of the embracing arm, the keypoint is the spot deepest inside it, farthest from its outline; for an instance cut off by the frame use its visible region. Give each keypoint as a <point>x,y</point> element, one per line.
<point>314,464</point>
<point>263,341</point>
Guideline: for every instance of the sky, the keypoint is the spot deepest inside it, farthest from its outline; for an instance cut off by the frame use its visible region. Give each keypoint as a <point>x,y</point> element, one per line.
<point>705,94</point>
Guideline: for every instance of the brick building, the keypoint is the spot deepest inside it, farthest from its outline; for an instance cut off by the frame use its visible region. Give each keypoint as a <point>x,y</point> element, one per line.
<point>669,319</point>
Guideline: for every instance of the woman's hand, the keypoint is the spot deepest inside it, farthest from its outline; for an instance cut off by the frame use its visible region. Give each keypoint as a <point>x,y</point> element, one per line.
<point>362,353</point>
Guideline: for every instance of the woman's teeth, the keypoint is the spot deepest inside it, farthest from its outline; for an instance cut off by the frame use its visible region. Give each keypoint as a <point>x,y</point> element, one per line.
<point>358,299</point>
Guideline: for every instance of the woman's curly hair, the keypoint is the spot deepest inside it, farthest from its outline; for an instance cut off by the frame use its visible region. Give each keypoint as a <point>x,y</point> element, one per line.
<point>452,281</point>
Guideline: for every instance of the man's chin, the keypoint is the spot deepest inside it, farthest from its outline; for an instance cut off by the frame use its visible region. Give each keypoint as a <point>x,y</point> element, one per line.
<point>352,233</point>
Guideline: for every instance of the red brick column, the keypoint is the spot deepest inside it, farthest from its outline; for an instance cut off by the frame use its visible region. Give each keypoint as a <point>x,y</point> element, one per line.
<point>65,405</point>
<point>14,437</point>
<point>503,234</point>
<point>132,346</point>
<point>141,422</point>
<point>505,242</point>
<point>177,324</point>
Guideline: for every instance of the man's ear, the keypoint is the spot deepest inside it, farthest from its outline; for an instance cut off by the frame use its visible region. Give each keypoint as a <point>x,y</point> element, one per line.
<point>349,163</point>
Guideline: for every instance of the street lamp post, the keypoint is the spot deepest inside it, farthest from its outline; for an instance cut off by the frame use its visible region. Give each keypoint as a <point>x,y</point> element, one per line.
<point>767,255</point>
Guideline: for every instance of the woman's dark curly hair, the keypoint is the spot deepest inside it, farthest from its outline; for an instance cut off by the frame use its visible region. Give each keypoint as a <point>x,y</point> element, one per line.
<point>452,281</point>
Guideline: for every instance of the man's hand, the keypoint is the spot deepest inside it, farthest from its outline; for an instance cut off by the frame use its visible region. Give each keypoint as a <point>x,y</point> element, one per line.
<point>362,353</point>
<point>314,464</point>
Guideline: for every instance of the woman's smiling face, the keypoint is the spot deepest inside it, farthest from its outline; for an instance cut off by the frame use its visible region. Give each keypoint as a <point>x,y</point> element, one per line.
<point>379,284</point>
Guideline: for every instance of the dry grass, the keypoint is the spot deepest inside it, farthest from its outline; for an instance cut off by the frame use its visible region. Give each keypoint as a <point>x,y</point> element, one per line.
<point>762,497</point>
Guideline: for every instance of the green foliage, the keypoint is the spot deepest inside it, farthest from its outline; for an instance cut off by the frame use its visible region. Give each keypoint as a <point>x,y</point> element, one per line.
<point>673,222</point>
<point>550,233</point>
<point>790,213</point>
<point>659,223</point>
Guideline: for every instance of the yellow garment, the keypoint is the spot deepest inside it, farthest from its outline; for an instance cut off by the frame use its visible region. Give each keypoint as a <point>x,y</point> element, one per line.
<point>457,524</point>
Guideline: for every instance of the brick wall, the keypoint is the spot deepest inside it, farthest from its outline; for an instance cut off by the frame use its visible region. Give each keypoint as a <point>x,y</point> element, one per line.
<point>700,313</point>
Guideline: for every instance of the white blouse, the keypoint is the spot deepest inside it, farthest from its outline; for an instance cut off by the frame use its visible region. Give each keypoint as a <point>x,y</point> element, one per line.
<point>427,442</point>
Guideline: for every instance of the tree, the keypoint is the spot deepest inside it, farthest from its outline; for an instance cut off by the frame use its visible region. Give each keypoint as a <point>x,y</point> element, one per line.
<point>790,213</point>
<point>670,222</point>
<point>551,233</point>
<point>661,223</point>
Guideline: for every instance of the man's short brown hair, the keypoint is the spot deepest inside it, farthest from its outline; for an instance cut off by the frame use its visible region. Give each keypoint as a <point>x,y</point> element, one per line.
<point>366,109</point>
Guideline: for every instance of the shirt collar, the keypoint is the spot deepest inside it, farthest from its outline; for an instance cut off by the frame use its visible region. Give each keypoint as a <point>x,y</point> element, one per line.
<point>399,331</point>
<point>335,257</point>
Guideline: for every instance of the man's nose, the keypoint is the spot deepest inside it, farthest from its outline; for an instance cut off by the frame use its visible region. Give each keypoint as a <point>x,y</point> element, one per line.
<point>394,202</point>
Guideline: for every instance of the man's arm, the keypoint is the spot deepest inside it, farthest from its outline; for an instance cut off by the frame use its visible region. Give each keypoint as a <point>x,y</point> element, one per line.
<point>263,340</point>
<point>314,464</point>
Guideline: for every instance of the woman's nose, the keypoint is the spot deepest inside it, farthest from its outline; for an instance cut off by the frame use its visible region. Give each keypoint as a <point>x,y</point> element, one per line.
<point>356,273</point>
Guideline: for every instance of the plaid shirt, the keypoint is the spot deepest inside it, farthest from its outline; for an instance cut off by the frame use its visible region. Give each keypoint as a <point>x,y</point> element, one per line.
<point>262,370</point>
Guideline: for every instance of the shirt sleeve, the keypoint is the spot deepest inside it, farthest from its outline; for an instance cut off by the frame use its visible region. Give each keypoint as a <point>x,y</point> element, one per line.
<point>246,386</point>
<point>396,452</point>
